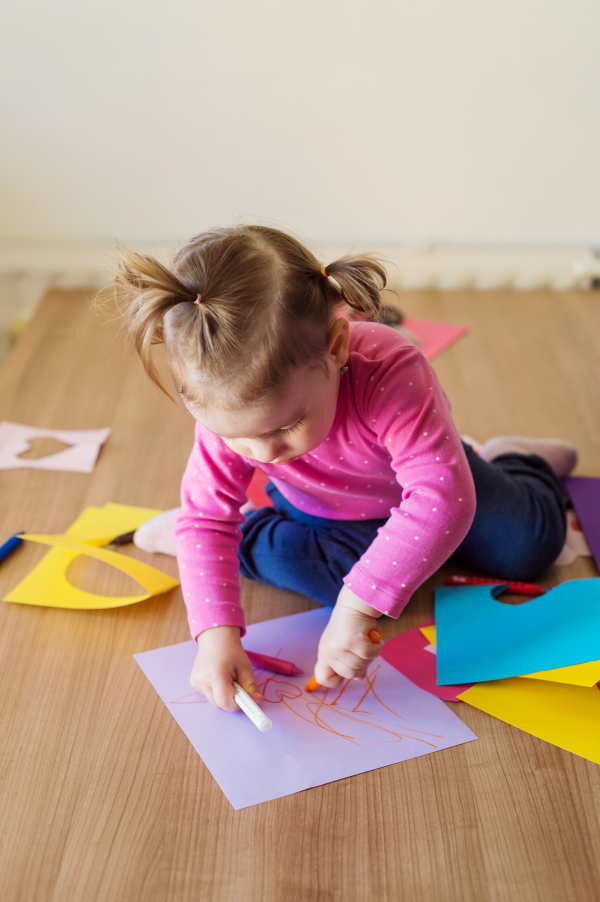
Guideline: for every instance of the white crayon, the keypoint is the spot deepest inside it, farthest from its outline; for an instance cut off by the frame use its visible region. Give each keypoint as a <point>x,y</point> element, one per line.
<point>250,708</point>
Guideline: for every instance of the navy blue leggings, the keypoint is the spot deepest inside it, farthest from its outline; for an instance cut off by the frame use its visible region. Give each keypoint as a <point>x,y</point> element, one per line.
<point>518,532</point>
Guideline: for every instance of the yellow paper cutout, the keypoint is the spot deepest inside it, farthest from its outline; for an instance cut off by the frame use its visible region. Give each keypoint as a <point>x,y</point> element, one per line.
<point>47,584</point>
<point>586,674</point>
<point>566,716</point>
<point>109,521</point>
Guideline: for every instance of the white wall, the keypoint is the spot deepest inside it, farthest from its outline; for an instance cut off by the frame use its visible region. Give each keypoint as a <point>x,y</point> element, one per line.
<point>383,121</point>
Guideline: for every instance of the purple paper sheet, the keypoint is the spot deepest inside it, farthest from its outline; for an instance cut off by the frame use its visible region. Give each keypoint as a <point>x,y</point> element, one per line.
<point>585,495</point>
<point>316,737</point>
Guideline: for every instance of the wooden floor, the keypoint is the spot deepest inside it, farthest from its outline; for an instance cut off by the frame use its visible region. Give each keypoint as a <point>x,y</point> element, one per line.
<point>101,795</point>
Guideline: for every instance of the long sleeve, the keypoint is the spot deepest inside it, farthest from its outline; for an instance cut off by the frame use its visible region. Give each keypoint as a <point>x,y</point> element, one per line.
<point>207,534</point>
<point>408,414</point>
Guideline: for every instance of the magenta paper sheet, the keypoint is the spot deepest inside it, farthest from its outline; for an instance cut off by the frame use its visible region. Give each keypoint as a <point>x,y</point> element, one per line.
<point>316,737</point>
<point>412,654</point>
<point>434,336</point>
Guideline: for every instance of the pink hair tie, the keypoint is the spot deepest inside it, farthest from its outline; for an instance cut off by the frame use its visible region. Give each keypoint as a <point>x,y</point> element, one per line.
<point>198,299</point>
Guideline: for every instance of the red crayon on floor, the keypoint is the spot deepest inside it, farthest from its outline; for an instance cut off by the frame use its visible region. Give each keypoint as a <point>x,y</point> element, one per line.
<point>274,664</point>
<point>516,588</point>
<point>374,635</point>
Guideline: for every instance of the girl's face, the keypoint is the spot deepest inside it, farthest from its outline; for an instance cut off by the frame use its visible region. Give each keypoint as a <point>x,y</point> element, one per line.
<point>282,430</point>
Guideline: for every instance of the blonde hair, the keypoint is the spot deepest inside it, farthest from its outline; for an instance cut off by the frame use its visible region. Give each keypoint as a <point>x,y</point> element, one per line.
<point>239,308</point>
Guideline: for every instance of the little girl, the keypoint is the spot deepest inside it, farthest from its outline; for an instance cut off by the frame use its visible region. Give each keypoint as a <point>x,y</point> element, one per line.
<point>372,488</point>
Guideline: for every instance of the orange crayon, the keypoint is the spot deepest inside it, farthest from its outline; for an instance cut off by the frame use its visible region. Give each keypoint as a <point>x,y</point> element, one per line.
<point>375,637</point>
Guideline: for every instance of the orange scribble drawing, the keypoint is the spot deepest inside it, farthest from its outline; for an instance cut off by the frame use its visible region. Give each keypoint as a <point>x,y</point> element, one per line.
<point>369,720</point>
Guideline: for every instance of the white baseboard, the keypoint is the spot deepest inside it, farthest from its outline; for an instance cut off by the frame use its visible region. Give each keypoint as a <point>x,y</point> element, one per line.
<point>28,269</point>
<point>447,268</point>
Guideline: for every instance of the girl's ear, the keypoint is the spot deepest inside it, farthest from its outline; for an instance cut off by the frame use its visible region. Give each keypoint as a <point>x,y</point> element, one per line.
<point>339,340</point>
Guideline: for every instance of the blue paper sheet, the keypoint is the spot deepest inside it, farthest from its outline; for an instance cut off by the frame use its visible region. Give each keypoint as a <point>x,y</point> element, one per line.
<point>480,638</point>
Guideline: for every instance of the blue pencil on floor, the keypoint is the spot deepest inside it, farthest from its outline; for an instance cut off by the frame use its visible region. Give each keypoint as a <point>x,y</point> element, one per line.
<point>10,545</point>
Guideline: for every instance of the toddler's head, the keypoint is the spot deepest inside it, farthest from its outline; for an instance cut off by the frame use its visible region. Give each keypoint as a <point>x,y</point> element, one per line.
<point>254,341</point>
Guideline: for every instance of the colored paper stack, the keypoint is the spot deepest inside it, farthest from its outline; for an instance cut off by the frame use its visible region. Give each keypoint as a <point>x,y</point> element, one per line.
<point>533,665</point>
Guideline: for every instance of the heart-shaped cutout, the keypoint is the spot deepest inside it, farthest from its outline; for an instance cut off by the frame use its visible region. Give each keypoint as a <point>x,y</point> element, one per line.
<point>43,447</point>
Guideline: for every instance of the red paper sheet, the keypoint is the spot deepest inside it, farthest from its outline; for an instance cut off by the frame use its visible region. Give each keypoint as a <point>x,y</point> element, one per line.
<point>256,490</point>
<point>407,653</point>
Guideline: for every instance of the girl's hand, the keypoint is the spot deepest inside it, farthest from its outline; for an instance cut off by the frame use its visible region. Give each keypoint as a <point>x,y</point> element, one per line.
<point>221,659</point>
<point>345,650</point>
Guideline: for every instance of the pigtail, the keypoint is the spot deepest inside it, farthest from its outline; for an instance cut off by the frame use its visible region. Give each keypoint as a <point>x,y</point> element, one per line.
<point>359,280</point>
<point>238,309</point>
<point>145,291</point>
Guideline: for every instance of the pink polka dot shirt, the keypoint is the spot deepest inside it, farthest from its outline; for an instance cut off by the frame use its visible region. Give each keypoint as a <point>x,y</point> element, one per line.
<point>393,451</point>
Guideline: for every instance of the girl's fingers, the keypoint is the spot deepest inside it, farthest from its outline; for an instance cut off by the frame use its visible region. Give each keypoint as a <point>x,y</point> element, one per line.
<point>358,652</point>
<point>207,691</point>
<point>365,649</point>
<point>348,666</point>
<point>373,652</point>
<point>352,662</point>
<point>196,683</point>
<point>222,690</point>
<point>247,681</point>
<point>345,670</point>
<point>327,676</point>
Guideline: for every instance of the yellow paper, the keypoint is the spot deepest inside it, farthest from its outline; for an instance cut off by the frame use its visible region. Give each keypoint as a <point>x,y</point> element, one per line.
<point>47,584</point>
<point>586,674</point>
<point>109,521</point>
<point>429,633</point>
<point>566,716</point>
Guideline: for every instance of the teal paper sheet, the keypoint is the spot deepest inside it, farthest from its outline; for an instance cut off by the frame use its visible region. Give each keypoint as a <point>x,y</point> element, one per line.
<point>480,638</point>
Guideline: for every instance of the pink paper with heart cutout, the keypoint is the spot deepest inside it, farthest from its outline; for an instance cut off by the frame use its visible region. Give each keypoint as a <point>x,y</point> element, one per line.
<point>79,458</point>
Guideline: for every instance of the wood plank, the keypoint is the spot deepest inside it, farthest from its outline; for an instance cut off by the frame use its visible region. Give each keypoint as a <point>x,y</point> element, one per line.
<point>102,796</point>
